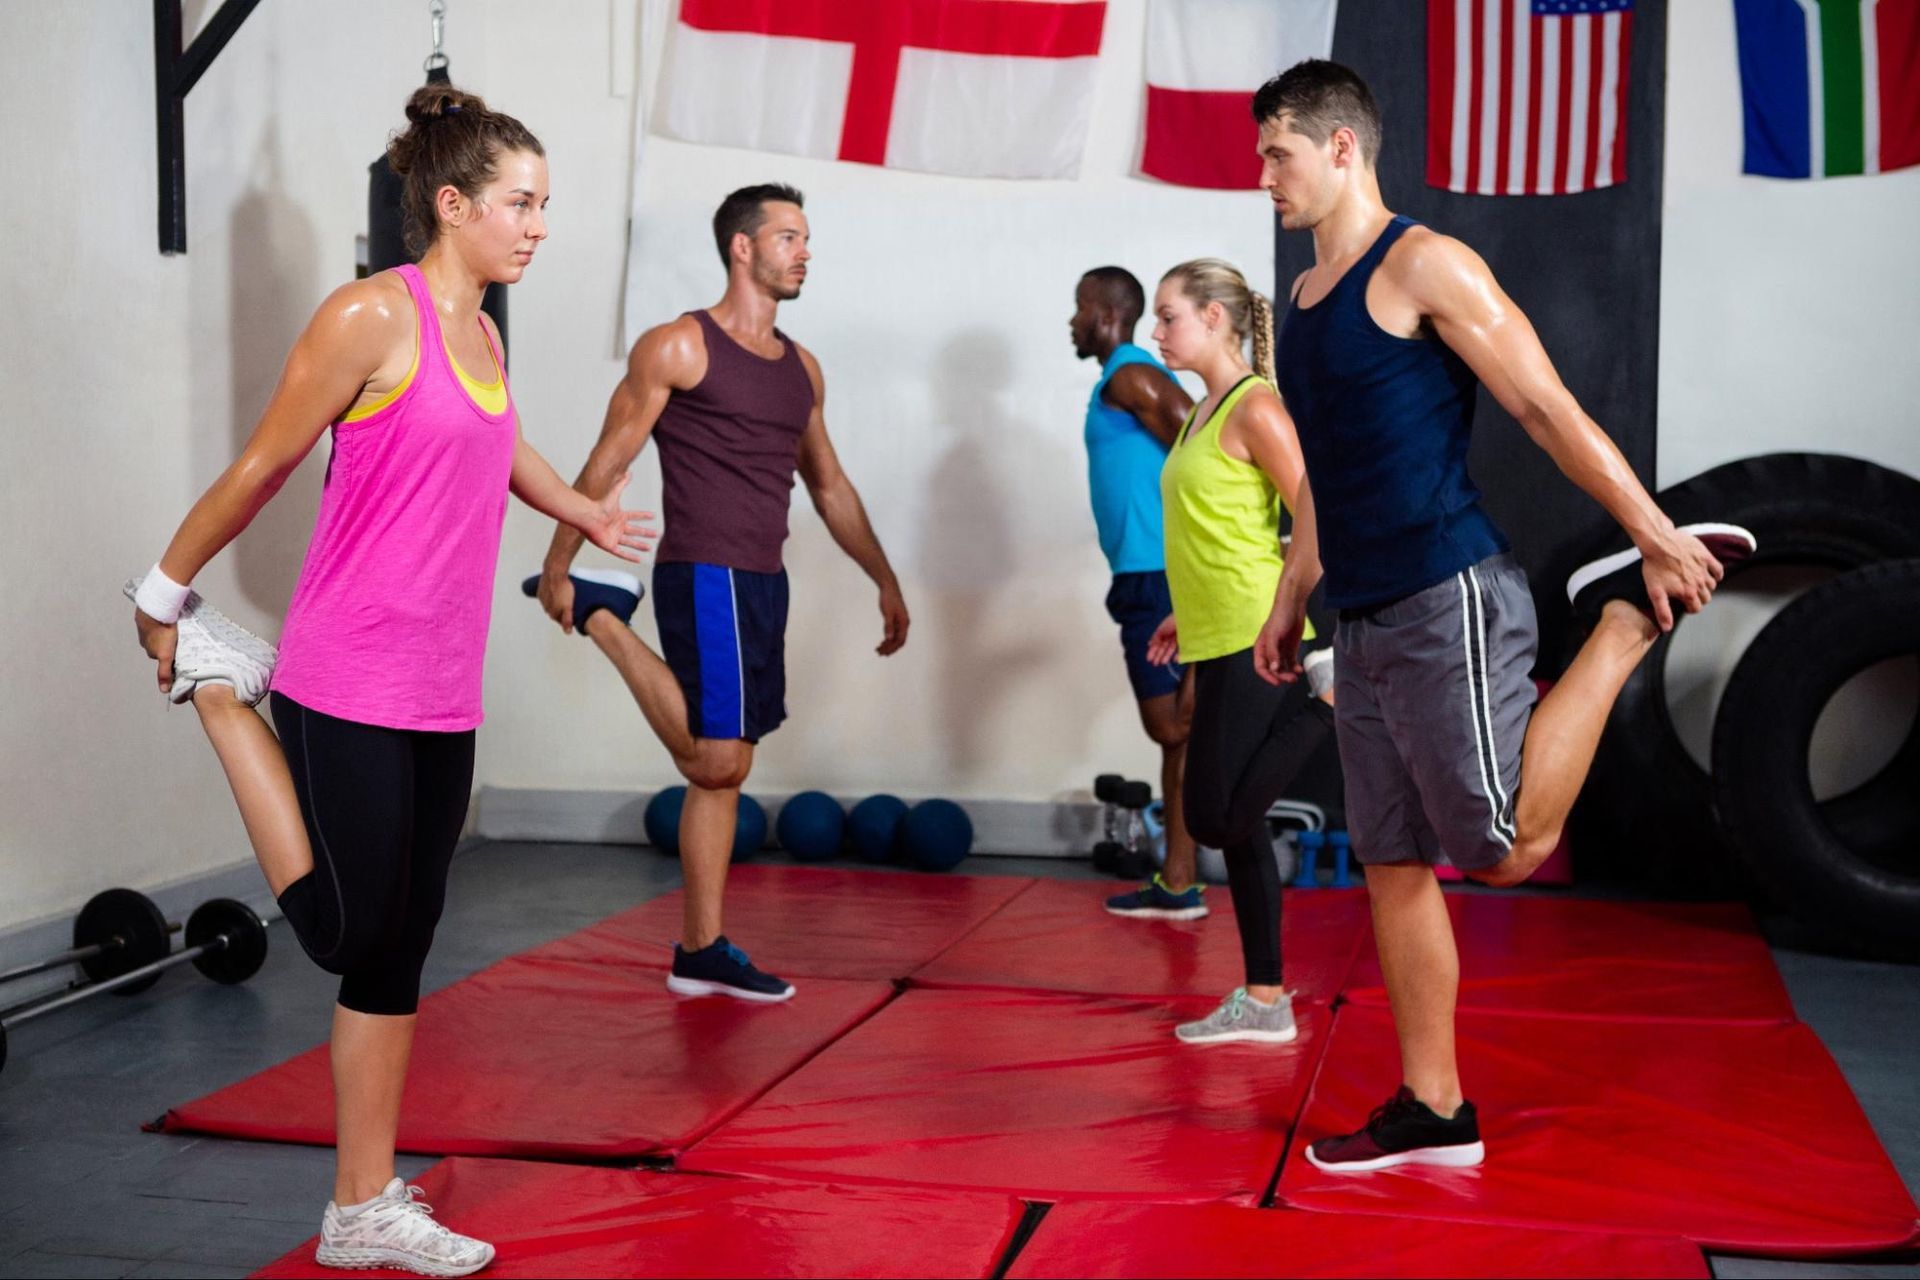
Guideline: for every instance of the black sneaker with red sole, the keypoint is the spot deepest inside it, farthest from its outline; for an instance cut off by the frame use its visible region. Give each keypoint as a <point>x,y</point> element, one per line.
<point>1402,1131</point>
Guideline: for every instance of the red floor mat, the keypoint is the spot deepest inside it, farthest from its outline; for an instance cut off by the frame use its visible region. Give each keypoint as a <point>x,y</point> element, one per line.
<point>1579,958</point>
<point>1058,937</point>
<point>537,1057</point>
<point>813,922</point>
<point>1743,1138</point>
<point>1139,1240</point>
<point>560,1220</point>
<point>1036,1094</point>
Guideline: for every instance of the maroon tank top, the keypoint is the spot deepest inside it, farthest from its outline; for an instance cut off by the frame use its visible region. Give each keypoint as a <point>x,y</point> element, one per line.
<point>728,451</point>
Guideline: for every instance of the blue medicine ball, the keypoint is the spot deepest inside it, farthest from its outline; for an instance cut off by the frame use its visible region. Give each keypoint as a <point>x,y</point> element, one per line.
<point>811,826</point>
<point>938,834</point>
<point>873,828</point>
<point>663,820</point>
<point>749,829</point>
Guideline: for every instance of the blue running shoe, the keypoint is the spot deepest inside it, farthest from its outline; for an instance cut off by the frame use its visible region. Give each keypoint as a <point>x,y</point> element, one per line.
<point>723,969</point>
<point>618,593</point>
<point>1154,901</point>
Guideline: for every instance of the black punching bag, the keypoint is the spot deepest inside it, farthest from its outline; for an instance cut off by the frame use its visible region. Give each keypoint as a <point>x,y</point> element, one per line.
<point>386,239</point>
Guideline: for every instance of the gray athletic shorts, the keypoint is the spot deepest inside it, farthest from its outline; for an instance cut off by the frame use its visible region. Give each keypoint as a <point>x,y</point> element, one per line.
<point>1432,698</point>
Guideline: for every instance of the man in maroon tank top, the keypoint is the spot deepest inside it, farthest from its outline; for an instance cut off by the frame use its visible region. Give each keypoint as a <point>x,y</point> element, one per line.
<point>736,408</point>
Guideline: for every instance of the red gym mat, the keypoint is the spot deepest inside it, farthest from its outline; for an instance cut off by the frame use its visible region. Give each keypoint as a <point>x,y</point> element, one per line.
<point>1579,958</point>
<point>1039,1094</point>
<point>538,1057</point>
<point>560,1220</point>
<point>813,922</point>
<point>1058,936</point>
<point>1148,1241</point>
<point>1741,1137</point>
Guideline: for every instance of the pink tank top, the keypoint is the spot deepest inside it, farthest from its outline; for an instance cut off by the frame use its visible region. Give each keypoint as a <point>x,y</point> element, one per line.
<point>388,625</point>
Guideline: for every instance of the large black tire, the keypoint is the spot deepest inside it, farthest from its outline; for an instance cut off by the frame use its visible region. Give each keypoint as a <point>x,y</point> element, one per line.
<point>1848,866</point>
<point>1646,813</point>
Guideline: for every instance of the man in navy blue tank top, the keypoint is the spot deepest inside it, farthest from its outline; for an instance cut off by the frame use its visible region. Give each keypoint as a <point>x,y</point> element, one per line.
<point>736,408</point>
<point>1386,341</point>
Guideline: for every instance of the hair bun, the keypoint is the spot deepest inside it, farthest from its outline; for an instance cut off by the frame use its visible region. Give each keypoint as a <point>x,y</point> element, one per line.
<point>438,101</point>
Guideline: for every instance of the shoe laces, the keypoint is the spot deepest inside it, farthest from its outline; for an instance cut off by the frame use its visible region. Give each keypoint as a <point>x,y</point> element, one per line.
<point>1235,1006</point>
<point>1402,1103</point>
<point>1165,888</point>
<point>735,954</point>
<point>410,1219</point>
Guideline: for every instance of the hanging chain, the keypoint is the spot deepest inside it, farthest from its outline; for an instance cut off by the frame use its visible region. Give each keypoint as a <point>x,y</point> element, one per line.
<point>437,11</point>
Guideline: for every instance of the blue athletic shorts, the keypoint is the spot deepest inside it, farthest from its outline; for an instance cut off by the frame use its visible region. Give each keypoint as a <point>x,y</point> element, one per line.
<point>724,632</point>
<point>1140,602</point>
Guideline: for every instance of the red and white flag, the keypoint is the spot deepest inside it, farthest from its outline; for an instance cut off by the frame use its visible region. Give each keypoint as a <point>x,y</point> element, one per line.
<point>1204,60</point>
<point>980,88</point>
<point>1527,97</point>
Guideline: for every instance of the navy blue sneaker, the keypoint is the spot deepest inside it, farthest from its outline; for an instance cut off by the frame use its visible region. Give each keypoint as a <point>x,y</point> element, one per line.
<point>616,592</point>
<point>1154,901</point>
<point>723,969</point>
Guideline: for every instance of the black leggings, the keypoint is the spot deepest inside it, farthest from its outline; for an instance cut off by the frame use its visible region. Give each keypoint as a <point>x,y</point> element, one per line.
<point>1249,741</point>
<point>384,809</point>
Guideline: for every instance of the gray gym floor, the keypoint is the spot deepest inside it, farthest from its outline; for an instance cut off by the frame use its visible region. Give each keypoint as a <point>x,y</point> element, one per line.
<point>84,1193</point>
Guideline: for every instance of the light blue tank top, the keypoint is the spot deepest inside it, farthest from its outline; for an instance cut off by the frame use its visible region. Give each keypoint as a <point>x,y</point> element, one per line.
<point>1123,472</point>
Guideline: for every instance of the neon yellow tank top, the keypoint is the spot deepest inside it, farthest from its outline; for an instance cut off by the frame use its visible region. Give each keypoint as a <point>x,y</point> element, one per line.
<point>1223,538</point>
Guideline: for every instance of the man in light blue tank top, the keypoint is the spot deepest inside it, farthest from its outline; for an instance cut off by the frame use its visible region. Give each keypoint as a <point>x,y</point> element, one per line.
<point>1385,343</point>
<point>1133,415</point>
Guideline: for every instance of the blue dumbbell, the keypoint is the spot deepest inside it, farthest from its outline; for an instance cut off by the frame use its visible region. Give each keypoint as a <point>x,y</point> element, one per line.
<point>1307,876</point>
<point>1342,856</point>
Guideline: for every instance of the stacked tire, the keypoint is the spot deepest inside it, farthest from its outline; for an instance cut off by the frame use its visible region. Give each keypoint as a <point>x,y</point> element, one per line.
<point>1849,864</point>
<point>1647,813</point>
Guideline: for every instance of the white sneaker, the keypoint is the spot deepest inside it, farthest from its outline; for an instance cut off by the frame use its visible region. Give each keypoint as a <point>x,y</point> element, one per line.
<point>396,1229</point>
<point>214,649</point>
<point>1318,666</point>
<point>1242,1018</point>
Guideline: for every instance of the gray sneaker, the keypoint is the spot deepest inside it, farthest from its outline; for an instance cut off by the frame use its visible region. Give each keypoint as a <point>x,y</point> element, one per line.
<point>397,1229</point>
<point>214,649</point>
<point>1241,1017</point>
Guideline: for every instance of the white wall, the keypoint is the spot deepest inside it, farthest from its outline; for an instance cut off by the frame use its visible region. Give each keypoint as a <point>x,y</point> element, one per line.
<point>1788,310</point>
<point>1788,317</point>
<point>937,307</point>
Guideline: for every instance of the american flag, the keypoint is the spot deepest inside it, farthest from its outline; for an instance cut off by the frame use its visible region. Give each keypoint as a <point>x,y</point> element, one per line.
<point>1527,97</point>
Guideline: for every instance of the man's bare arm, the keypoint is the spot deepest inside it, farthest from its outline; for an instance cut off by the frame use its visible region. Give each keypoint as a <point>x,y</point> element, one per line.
<point>845,516</point>
<point>667,358</point>
<point>1156,401</point>
<point>1454,289</point>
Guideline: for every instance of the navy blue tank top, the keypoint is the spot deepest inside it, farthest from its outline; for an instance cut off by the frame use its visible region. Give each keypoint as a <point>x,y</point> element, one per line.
<point>1384,424</point>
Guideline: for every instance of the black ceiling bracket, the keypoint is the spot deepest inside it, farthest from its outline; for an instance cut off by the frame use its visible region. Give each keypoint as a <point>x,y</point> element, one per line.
<point>174,74</point>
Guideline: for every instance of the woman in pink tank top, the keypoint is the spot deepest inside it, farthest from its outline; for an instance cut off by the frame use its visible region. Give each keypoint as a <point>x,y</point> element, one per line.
<point>354,810</point>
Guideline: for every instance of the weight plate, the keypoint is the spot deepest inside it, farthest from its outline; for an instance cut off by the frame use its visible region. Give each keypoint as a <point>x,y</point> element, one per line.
<point>131,931</point>
<point>245,933</point>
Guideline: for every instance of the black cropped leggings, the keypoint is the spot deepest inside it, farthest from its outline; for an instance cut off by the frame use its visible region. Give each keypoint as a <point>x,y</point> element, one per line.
<point>1249,741</point>
<point>384,809</point>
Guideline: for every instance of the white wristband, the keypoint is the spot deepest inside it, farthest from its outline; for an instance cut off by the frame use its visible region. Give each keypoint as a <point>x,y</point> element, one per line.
<point>160,597</point>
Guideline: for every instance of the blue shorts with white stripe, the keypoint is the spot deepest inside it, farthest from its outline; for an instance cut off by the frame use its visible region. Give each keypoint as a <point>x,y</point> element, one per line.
<point>723,633</point>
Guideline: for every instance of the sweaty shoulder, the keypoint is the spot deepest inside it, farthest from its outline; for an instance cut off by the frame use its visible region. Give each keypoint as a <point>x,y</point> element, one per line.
<point>364,318</point>
<point>1424,262</point>
<point>1132,383</point>
<point>1260,406</point>
<point>674,353</point>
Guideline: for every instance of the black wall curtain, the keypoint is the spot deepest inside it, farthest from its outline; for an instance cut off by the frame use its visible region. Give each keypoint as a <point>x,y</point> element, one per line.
<point>1585,268</point>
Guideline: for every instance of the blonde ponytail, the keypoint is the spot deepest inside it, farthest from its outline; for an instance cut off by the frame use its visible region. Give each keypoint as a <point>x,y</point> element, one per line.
<point>1262,335</point>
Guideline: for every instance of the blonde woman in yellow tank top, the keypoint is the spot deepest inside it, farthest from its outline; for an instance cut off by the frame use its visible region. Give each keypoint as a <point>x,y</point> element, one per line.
<point>1234,465</point>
